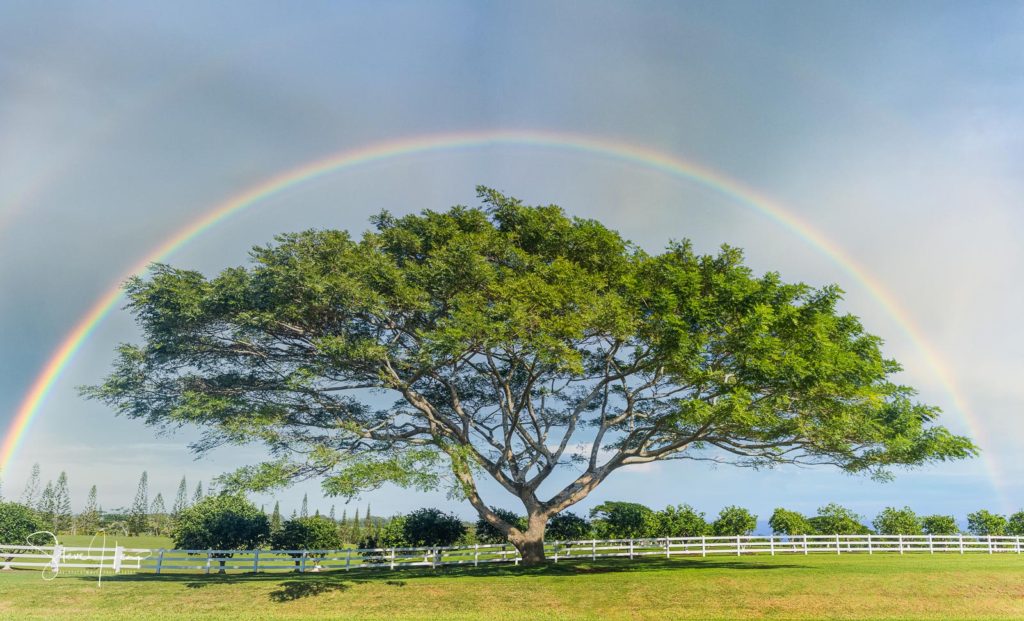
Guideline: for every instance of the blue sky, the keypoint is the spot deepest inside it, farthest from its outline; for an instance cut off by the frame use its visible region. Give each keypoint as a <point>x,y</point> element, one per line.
<point>896,131</point>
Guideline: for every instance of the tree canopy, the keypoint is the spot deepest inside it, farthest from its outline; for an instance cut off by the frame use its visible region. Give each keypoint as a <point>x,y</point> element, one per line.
<point>984,523</point>
<point>734,520</point>
<point>893,521</point>
<point>17,522</point>
<point>306,533</point>
<point>623,520</point>
<point>939,525</point>
<point>681,521</point>
<point>222,522</point>
<point>432,527</point>
<point>786,522</point>
<point>835,519</point>
<point>510,342</point>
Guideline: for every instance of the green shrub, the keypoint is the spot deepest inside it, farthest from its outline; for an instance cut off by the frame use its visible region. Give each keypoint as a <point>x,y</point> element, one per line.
<point>389,535</point>
<point>224,522</point>
<point>681,521</point>
<point>17,522</point>
<point>623,520</point>
<point>734,521</point>
<point>308,533</point>
<point>786,522</point>
<point>432,527</point>
<point>567,527</point>
<point>939,525</point>
<point>985,524</point>
<point>893,521</point>
<point>1015,525</point>
<point>834,519</point>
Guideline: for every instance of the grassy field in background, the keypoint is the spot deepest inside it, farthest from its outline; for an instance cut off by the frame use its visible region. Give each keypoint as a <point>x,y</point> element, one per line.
<point>144,541</point>
<point>762,587</point>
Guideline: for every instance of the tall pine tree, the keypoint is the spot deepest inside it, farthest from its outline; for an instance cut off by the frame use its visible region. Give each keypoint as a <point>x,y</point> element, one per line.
<point>158,515</point>
<point>180,499</point>
<point>47,507</point>
<point>275,517</point>
<point>62,520</point>
<point>138,515</point>
<point>304,511</point>
<point>198,495</point>
<point>88,522</point>
<point>30,497</point>
<point>343,528</point>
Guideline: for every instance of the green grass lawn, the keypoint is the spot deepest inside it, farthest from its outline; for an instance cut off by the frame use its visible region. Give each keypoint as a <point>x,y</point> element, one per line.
<point>762,587</point>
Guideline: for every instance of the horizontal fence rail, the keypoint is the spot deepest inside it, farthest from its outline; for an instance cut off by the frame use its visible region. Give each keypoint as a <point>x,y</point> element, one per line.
<point>60,558</point>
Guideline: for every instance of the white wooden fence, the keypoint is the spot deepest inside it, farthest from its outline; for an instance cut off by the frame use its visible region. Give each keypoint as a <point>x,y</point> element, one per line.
<point>61,558</point>
<point>213,561</point>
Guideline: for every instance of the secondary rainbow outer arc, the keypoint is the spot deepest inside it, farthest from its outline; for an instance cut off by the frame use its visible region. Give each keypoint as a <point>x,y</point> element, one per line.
<point>643,156</point>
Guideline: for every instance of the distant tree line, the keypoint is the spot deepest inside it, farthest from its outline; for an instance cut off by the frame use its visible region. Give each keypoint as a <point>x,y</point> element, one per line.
<point>199,519</point>
<point>51,508</point>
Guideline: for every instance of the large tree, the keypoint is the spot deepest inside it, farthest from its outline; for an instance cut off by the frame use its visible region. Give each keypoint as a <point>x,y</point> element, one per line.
<point>510,342</point>
<point>223,522</point>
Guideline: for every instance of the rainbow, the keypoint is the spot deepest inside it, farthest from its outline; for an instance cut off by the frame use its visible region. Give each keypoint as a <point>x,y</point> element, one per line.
<point>620,151</point>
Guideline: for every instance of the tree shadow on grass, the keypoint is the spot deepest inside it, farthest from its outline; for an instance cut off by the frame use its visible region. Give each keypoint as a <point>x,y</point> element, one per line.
<point>292,586</point>
<point>292,590</point>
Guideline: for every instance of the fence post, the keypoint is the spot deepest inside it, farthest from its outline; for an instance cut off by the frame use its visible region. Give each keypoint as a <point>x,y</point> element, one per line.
<point>990,544</point>
<point>302,563</point>
<point>209,557</point>
<point>668,548</point>
<point>870,552</point>
<point>55,558</point>
<point>837,544</point>
<point>931,545</point>
<point>118,558</point>
<point>771,544</point>
<point>159,561</point>
<point>631,548</point>
<point>901,543</point>
<point>703,546</point>
<point>593,549</point>
<point>348,559</point>
<point>554,547</point>
<point>1018,545</point>
<point>256,561</point>
<point>476,555</point>
<point>392,558</point>
<point>961,543</point>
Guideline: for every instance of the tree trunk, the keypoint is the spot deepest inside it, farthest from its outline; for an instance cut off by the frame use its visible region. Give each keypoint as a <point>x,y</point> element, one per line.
<point>530,542</point>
